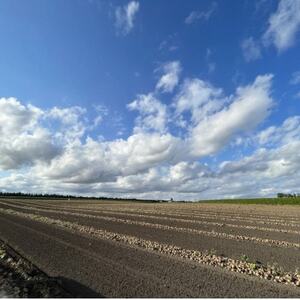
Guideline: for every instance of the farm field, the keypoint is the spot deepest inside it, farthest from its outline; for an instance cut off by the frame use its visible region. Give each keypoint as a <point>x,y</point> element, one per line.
<point>126,249</point>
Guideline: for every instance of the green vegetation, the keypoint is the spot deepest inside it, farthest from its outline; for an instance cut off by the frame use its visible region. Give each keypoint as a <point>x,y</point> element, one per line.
<point>271,201</point>
<point>244,258</point>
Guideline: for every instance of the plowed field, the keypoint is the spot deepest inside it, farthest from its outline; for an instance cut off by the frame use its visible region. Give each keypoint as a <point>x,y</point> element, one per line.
<point>123,249</point>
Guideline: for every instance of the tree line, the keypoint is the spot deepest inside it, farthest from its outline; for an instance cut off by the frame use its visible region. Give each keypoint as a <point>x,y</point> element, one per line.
<point>283,195</point>
<point>59,196</point>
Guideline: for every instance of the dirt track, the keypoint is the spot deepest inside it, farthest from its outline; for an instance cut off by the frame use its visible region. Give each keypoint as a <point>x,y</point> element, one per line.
<point>159,250</point>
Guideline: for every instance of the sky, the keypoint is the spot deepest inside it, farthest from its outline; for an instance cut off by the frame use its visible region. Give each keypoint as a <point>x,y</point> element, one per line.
<point>156,99</point>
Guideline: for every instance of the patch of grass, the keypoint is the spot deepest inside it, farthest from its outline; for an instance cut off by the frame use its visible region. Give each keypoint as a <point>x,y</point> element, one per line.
<point>254,266</point>
<point>244,258</point>
<point>271,201</point>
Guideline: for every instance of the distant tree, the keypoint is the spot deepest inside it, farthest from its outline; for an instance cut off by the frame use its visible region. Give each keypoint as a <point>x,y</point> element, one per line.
<point>289,195</point>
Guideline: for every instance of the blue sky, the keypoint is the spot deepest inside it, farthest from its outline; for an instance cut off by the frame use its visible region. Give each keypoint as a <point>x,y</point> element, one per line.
<point>152,99</point>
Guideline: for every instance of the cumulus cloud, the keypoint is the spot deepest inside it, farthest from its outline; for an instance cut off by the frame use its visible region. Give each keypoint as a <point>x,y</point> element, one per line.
<point>23,140</point>
<point>71,121</point>
<point>288,132</point>
<point>283,25</point>
<point>196,16</point>
<point>185,171</point>
<point>251,49</point>
<point>80,163</point>
<point>179,178</point>
<point>125,16</point>
<point>27,149</point>
<point>144,150</point>
<point>273,167</point>
<point>198,97</point>
<point>95,161</point>
<point>266,164</point>
<point>15,117</point>
<point>152,113</point>
<point>170,78</point>
<point>70,115</point>
<point>250,106</point>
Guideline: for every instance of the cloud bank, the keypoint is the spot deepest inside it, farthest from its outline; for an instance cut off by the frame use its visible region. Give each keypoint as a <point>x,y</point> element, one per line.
<point>166,153</point>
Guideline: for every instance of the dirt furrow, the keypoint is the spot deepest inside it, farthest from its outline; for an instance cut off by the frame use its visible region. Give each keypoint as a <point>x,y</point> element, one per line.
<point>278,243</point>
<point>183,220</point>
<point>118,272</point>
<point>169,208</point>
<point>252,269</point>
<point>184,215</point>
<point>49,244</point>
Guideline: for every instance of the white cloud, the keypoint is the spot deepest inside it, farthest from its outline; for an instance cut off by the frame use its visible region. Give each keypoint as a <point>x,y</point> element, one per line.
<point>15,117</point>
<point>283,25</point>
<point>125,16</point>
<point>273,169</point>
<point>282,29</point>
<point>267,164</point>
<point>178,179</point>
<point>250,106</point>
<point>94,161</point>
<point>288,132</point>
<point>71,122</point>
<point>195,16</point>
<point>263,173</point>
<point>80,163</point>
<point>251,49</point>
<point>69,115</point>
<point>143,151</point>
<point>198,97</point>
<point>153,114</point>
<point>25,149</point>
<point>170,78</point>
<point>185,171</point>
<point>23,140</point>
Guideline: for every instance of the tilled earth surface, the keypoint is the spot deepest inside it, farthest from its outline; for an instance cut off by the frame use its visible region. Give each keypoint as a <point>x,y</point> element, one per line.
<point>20,278</point>
<point>123,249</point>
